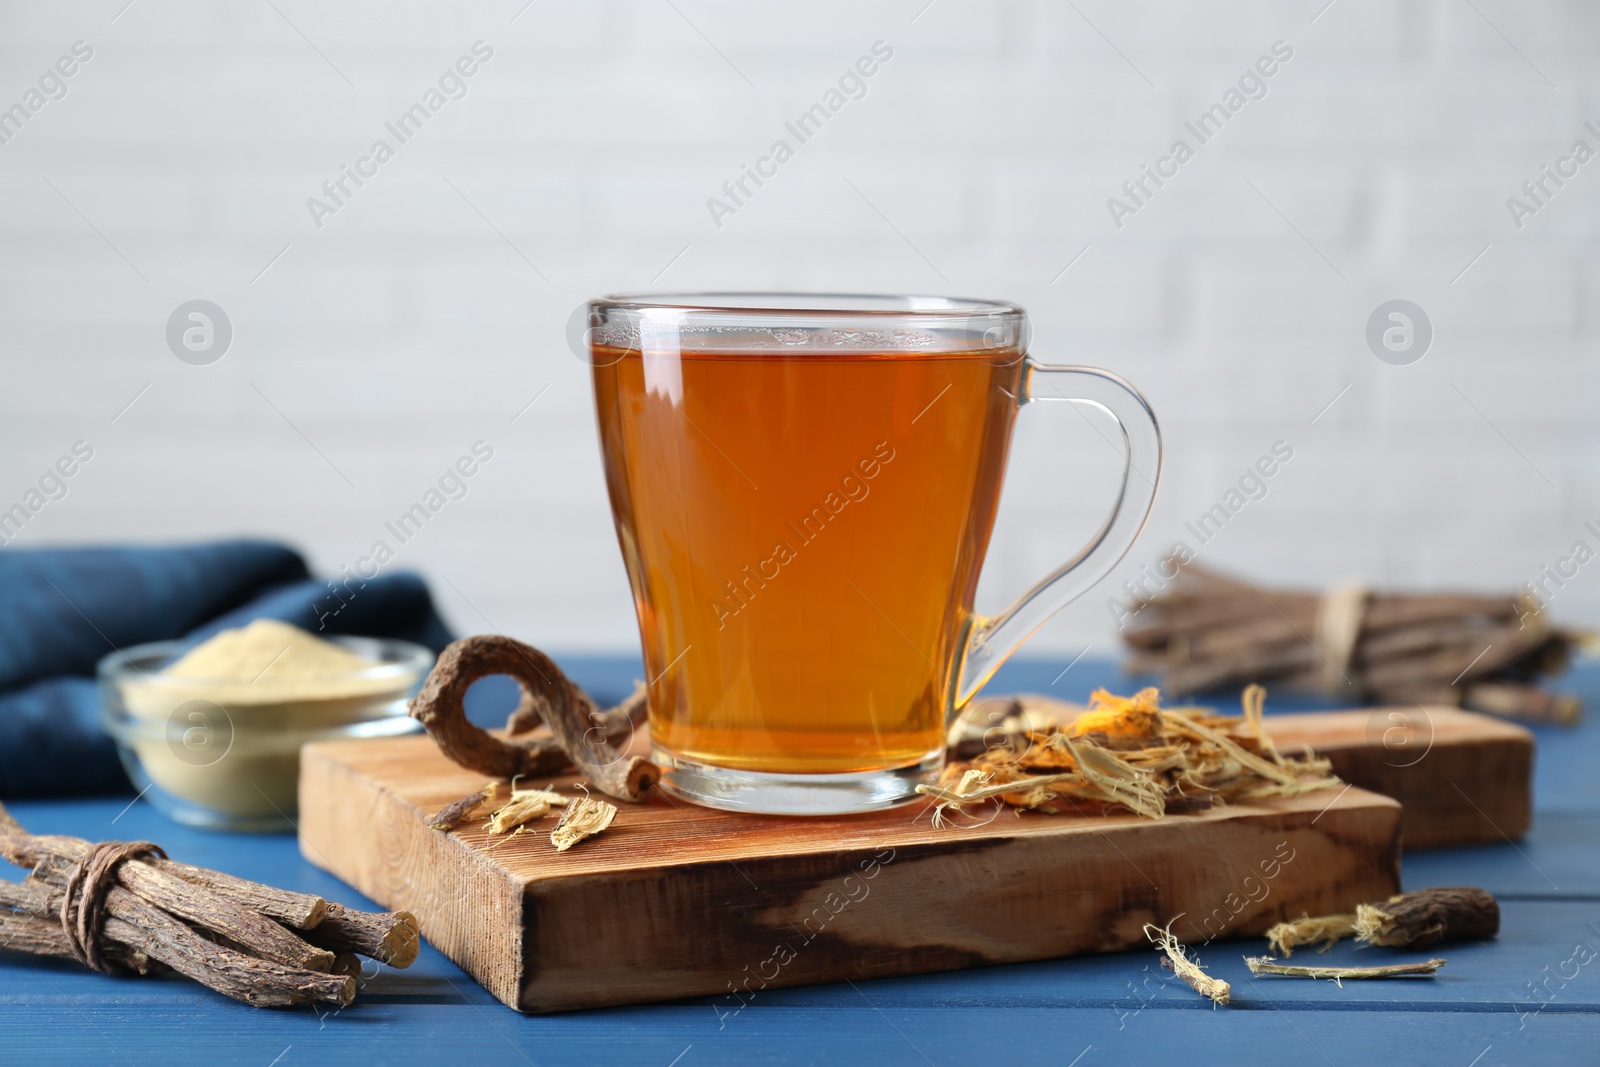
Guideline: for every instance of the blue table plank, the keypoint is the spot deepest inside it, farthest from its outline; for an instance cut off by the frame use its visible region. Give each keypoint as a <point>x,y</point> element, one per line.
<point>1523,998</point>
<point>1539,941</point>
<point>1559,857</point>
<point>56,1032</point>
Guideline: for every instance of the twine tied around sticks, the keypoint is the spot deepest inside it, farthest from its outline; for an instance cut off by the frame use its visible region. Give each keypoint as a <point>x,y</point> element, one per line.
<point>83,903</point>
<point>1340,613</point>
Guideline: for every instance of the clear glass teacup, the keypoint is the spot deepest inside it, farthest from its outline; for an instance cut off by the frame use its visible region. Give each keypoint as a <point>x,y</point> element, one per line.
<point>804,487</point>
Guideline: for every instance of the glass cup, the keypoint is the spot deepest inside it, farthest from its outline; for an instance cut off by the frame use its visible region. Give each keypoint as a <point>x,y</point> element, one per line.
<point>804,487</point>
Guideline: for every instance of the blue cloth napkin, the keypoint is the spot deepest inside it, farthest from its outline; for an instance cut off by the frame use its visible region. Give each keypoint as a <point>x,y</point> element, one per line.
<point>62,609</point>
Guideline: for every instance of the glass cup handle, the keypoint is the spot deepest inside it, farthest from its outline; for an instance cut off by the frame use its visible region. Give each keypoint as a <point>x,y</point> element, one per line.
<point>991,640</point>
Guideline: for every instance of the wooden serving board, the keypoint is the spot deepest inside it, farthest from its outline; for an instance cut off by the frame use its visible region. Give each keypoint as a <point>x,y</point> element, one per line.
<point>675,901</point>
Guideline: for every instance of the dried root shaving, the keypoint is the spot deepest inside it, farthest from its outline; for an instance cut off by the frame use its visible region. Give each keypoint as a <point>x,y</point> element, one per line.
<point>1326,930</point>
<point>524,807</point>
<point>1260,965</point>
<point>1121,753</point>
<point>583,818</point>
<point>965,792</point>
<point>1178,963</point>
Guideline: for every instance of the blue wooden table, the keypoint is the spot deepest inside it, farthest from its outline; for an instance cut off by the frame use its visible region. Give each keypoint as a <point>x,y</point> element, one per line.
<point>1530,997</point>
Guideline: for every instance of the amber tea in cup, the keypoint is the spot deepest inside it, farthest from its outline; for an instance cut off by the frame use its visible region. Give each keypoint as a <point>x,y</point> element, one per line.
<point>804,488</point>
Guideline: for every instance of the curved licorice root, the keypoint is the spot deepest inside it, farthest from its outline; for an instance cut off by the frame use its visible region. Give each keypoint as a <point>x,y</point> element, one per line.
<point>613,722</point>
<point>579,733</point>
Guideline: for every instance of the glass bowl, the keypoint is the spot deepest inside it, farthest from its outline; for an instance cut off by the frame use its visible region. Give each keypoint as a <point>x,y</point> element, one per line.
<point>226,754</point>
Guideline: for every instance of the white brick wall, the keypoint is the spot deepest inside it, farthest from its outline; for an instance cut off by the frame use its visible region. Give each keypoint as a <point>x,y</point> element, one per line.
<point>406,328</point>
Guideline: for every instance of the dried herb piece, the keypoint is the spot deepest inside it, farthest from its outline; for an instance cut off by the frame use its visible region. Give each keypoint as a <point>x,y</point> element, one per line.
<point>524,806</point>
<point>1418,919</point>
<point>1262,965</point>
<point>577,736</point>
<point>1428,916</point>
<point>970,790</point>
<point>452,814</point>
<point>583,818</point>
<point>1181,965</point>
<point>1125,753</point>
<point>1326,929</point>
<point>1111,779</point>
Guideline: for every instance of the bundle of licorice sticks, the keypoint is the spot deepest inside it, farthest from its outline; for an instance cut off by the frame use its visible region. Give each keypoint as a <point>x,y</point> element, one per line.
<point>125,908</point>
<point>1204,632</point>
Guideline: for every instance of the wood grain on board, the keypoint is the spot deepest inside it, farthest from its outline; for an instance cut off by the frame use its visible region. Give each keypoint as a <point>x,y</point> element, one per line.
<point>1461,778</point>
<point>675,901</point>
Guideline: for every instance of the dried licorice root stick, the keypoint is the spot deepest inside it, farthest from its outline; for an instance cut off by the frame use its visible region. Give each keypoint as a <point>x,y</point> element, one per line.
<point>614,722</point>
<point>563,706</point>
<point>626,716</point>
<point>229,971</point>
<point>1259,965</point>
<point>203,909</point>
<point>301,911</point>
<point>1178,963</point>
<point>391,937</point>
<point>34,928</point>
<point>1418,919</point>
<point>298,910</point>
<point>1428,916</point>
<point>134,933</point>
